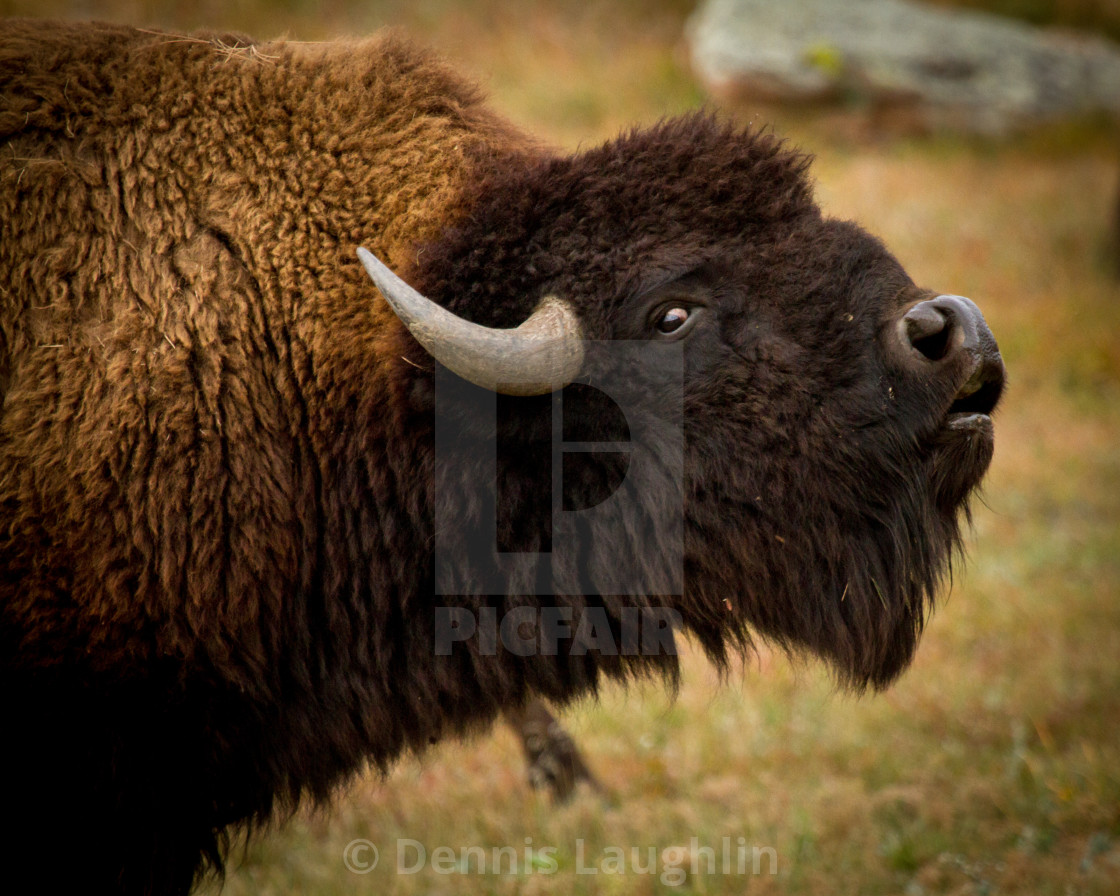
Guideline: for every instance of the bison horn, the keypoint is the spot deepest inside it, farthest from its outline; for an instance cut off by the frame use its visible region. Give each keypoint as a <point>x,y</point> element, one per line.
<point>542,355</point>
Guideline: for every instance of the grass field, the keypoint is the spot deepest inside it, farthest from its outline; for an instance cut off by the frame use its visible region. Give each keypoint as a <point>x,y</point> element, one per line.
<point>993,766</point>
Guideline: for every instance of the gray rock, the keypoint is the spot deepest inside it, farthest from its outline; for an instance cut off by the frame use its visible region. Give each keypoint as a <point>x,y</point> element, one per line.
<point>965,69</point>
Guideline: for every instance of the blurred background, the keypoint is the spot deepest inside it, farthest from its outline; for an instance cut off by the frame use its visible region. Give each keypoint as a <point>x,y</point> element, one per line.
<point>993,766</point>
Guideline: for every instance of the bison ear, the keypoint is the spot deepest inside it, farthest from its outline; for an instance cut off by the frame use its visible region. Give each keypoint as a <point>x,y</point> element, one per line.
<point>542,355</point>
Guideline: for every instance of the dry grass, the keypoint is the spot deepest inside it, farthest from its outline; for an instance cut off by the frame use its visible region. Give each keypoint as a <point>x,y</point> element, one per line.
<point>994,765</point>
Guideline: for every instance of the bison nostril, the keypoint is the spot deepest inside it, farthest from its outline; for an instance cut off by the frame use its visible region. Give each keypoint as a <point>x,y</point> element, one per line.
<point>948,329</point>
<point>928,329</point>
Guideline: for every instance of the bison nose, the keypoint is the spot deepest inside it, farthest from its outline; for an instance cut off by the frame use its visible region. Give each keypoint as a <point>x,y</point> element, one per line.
<point>950,333</point>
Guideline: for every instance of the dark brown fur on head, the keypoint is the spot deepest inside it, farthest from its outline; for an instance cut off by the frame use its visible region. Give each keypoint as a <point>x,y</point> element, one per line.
<point>219,492</point>
<point>819,498</point>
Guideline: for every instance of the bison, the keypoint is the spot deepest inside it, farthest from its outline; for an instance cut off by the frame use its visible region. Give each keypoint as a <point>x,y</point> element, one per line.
<point>261,522</point>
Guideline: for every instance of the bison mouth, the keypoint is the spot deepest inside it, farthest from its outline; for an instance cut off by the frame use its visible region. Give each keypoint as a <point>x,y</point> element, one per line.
<point>965,442</point>
<point>947,337</point>
<point>975,401</point>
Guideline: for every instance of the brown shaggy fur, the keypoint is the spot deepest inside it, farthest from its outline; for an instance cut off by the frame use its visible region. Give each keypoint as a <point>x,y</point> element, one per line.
<point>216,467</point>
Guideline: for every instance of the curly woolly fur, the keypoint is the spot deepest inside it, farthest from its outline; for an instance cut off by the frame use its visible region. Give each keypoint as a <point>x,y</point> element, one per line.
<point>217,487</point>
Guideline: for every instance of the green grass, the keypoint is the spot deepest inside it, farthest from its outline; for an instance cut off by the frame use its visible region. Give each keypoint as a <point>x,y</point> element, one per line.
<point>993,766</point>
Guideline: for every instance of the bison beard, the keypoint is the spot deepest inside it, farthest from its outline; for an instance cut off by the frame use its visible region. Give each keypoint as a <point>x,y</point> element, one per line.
<point>218,497</point>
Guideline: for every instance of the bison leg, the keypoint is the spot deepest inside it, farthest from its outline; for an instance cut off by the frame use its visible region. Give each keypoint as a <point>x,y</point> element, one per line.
<point>554,761</point>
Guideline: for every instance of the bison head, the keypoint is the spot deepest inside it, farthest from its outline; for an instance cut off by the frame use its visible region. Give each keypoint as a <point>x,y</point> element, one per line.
<point>833,417</point>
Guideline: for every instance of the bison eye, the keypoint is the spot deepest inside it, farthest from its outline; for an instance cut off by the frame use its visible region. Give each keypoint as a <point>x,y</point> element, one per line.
<point>672,320</point>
